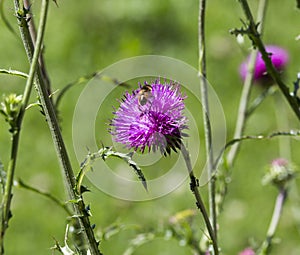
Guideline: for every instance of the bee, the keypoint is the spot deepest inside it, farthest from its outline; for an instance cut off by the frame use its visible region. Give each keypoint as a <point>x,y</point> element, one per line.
<point>144,94</point>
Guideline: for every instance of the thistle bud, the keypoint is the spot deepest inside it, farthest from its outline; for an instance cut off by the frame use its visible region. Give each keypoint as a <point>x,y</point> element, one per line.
<point>10,107</point>
<point>279,173</point>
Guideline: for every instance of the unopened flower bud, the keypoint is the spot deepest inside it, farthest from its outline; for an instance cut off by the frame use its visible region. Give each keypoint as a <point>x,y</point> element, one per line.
<point>279,173</point>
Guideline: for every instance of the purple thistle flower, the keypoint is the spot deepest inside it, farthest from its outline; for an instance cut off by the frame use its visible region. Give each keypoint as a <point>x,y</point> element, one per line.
<point>279,58</point>
<point>151,116</point>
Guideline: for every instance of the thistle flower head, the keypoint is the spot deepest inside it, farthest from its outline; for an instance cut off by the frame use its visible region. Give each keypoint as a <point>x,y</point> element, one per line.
<point>151,116</point>
<point>279,58</point>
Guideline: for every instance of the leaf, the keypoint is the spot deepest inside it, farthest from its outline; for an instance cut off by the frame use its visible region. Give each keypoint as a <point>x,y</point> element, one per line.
<point>114,229</point>
<point>291,133</point>
<point>86,78</point>
<point>65,250</point>
<point>128,159</point>
<point>105,153</point>
<point>138,241</point>
<point>14,72</point>
<point>72,84</point>
<point>5,20</point>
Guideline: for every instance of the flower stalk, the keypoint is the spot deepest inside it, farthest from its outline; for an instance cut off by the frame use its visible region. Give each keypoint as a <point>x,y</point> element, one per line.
<point>266,246</point>
<point>244,101</point>
<point>206,118</point>
<point>199,202</point>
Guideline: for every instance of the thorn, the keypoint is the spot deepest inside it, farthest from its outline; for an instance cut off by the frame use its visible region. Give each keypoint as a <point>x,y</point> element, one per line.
<point>55,3</point>
<point>88,210</point>
<point>84,189</point>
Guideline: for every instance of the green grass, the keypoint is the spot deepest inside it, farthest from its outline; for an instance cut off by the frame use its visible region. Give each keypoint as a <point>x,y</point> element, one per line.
<point>86,36</point>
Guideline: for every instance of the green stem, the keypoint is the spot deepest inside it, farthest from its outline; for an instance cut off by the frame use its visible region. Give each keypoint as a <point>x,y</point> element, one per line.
<point>244,101</point>
<point>52,122</point>
<point>266,246</point>
<point>33,35</point>
<point>14,72</point>
<point>206,117</point>
<point>199,202</point>
<point>254,35</point>
<point>61,204</point>
<point>7,197</point>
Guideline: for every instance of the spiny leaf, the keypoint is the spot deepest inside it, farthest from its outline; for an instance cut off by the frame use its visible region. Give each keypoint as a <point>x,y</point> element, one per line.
<point>105,153</point>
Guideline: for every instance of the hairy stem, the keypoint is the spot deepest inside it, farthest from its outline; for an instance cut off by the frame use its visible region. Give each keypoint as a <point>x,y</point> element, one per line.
<point>52,122</point>
<point>7,197</point>
<point>244,101</point>
<point>199,202</point>
<point>206,117</point>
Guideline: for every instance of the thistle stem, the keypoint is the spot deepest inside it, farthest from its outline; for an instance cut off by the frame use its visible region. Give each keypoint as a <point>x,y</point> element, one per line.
<point>199,202</point>
<point>266,246</point>
<point>206,117</point>
<point>78,206</point>
<point>244,101</point>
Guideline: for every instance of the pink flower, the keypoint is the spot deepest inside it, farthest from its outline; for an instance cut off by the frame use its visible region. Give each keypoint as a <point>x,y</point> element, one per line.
<point>247,251</point>
<point>279,58</point>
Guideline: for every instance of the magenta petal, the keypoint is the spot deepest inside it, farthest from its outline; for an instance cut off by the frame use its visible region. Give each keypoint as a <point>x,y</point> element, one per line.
<point>156,125</point>
<point>279,58</point>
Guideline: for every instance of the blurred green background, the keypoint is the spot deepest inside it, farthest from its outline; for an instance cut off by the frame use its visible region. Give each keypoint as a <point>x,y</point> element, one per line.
<point>86,36</point>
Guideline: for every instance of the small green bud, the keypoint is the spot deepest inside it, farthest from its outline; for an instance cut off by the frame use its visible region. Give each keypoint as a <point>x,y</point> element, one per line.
<point>280,173</point>
<point>10,108</point>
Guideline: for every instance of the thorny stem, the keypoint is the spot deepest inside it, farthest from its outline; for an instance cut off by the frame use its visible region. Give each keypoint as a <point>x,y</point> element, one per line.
<point>266,246</point>
<point>7,197</point>
<point>52,121</point>
<point>194,184</point>
<point>254,36</point>
<point>243,107</point>
<point>206,117</point>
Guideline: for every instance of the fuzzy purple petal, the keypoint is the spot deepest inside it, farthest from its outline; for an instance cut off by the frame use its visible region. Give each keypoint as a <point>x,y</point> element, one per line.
<point>157,125</point>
